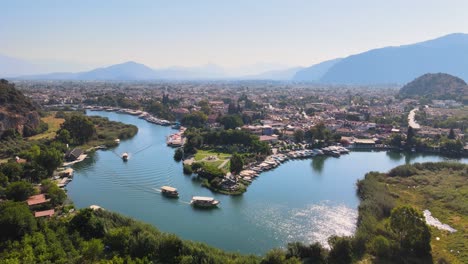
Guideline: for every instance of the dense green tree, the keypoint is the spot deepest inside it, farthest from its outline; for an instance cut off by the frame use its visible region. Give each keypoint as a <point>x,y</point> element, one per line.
<point>87,224</point>
<point>170,249</point>
<point>19,191</point>
<point>278,256</point>
<point>410,137</point>
<point>57,196</point>
<point>231,121</point>
<point>119,239</point>
<point>237,163</point>
<point>195,119</point>
<point>179,154</point>
<point>233,109</point>
<point>50,159</point>
<point>395,140</point>
<point>80,127</point>
<point>205,107</point>
<point>92,250</point>
<point>381,246</point>
<point>451,146</point>
<point>13,170</point>
<point>341,250</point>
<point>451,134</point>
<point>411,230</point>
<point>299,135</point>
<point>16,220</point>
<point>64,136</point>
<point>314,253</point>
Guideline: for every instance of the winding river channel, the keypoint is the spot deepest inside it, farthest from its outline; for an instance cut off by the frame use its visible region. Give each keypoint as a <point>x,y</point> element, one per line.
<point>301,200</point>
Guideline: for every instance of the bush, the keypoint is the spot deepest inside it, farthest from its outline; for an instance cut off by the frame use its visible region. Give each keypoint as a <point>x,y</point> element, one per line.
<point>179,154</point>
<point>341,250</point>
<point>19,191</point>
<point>188,169</point>
<point>16,220</point>
<point>380,246</point>
<point>403,171</point>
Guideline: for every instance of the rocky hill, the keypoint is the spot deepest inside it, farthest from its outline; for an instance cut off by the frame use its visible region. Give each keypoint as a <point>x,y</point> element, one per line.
<point>16,110</point>
<point>436,86</point>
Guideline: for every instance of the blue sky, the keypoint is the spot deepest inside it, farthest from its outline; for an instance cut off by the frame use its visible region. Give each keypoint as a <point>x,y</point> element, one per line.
<point>227,33</point>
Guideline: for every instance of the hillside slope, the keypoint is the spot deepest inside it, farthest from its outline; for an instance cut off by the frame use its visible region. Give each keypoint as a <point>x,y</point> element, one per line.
<point>402,64</point>
<point>436,86</point>
<point>314,72</point>
<point>16,110</point>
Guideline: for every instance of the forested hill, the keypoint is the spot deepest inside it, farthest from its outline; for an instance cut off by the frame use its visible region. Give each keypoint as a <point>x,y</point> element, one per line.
<point>16,110</point>
<point>436,86</point>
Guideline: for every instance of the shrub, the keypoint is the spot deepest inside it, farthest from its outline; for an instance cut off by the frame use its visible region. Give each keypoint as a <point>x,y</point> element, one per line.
<point>403,171</point>
<point>188,169</point>
<point>380,246</point>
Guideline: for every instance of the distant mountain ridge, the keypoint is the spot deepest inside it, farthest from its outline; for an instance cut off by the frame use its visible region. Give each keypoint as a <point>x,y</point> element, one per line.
<point>389,65</point>
<point>402,64</point>
<point>315,72</point>
<point>436,86</point>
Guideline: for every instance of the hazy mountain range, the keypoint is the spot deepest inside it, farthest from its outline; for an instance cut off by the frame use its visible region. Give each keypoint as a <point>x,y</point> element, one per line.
<point>389,65</point>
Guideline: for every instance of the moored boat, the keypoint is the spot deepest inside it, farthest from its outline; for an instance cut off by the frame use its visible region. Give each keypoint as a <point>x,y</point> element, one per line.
<point>170,191</point>
<point>204,202</point>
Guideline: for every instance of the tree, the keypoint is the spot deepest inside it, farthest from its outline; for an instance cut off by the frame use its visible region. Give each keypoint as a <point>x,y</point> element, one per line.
<point>410,134</point>
<point>205,107</point>
<point>19,191</point>
<point>57,196</point>
<point>237,163</point>
<point>80,127</point>
<point>231,121</point>
<point>411,230</point>
<point>233,109</point>
<point>118,239</point>
<point>380,246</point>
<point>87,224</point>
<point>64,136</point>
<point>13,170</point>
<point>179,154</point>
<point>395,140</point>
<point>195,119</point>
<point>340,252</point>
<point>452,147</point>
<point>299,135</point>
<point>16,220</point>
<point>451,134</point>
<point>50,158</point>
<point>277,256</point>
<point>92,250</point>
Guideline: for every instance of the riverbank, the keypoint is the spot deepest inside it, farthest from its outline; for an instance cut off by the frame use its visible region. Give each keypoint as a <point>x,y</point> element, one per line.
<point>436,191</point>
<point>306,200</point>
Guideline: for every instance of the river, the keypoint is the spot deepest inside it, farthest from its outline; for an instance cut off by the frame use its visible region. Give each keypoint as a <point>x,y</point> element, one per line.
<point>301,200</point>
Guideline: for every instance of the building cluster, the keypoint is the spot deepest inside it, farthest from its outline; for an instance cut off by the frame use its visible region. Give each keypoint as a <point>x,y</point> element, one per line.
<point>269,109</point>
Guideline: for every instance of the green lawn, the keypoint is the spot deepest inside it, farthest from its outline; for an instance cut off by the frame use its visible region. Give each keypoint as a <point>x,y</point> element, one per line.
<point>54,125</point>
<point>201,154</point>
<point>445,194</point>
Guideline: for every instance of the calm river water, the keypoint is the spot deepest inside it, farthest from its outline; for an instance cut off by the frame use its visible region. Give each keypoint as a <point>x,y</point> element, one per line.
<point>301,200</point>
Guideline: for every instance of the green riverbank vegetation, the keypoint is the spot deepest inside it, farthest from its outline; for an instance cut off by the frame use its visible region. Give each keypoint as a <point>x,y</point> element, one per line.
<point>391,228</point>
<point>212,151</point>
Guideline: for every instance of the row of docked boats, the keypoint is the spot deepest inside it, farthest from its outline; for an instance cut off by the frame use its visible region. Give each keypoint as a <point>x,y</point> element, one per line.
<point>141,114</point>
<point>197,201</point>
<point>275,160</point>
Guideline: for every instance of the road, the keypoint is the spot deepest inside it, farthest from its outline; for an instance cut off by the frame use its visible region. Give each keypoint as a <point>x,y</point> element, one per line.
<point>411,121</point>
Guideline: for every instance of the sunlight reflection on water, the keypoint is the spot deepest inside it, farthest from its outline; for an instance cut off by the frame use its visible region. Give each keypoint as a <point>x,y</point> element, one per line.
<point>315,223</point>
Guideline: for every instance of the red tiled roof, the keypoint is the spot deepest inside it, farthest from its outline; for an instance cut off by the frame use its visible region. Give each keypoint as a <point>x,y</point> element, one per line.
<point>37,199</point>
<point>50,212</point>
